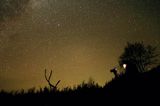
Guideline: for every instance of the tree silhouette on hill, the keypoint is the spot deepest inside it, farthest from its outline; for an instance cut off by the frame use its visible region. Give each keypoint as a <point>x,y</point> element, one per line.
<point>138,57</point>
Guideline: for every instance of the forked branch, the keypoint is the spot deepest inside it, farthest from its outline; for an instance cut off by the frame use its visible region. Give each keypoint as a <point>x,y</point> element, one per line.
<point>52,86</point>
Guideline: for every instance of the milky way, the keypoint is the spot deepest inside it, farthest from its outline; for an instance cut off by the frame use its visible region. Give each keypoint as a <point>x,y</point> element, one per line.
<point>77,39</point>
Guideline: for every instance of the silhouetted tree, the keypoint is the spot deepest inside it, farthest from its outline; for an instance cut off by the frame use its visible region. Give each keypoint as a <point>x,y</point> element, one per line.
<point>138,57</point>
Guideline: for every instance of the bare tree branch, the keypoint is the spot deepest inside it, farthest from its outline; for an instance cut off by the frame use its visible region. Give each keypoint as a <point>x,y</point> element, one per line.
<point>52,86</point>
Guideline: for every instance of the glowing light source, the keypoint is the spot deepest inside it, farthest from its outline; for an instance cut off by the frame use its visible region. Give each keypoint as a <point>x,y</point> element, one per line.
<point>124,66</point>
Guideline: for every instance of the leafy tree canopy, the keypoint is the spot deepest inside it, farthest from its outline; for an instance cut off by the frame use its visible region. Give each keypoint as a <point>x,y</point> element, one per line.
<point>138,57</point>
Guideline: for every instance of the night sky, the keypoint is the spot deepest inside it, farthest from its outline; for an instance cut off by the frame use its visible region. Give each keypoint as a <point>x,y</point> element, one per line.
<point>77,39</point>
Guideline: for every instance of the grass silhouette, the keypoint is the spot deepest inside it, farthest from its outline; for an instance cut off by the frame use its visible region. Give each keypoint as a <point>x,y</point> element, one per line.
<point>142,86</point>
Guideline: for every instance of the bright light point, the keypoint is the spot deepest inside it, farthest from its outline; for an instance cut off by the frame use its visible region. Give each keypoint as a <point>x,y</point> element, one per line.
<point>124,66</point>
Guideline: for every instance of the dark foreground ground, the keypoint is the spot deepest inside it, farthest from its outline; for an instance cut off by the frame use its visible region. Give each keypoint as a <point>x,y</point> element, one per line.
<point>138,89</point>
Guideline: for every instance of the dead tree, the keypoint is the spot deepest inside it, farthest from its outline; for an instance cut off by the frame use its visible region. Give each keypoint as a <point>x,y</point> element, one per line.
<point>52,86</point>
<point>114,71</point>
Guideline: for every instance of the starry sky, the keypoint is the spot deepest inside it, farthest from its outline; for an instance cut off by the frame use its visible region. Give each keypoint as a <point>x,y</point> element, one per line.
<point>77,39</point>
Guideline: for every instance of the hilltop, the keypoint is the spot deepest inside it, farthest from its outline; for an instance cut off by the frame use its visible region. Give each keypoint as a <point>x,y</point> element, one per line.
<point>137,88</point>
